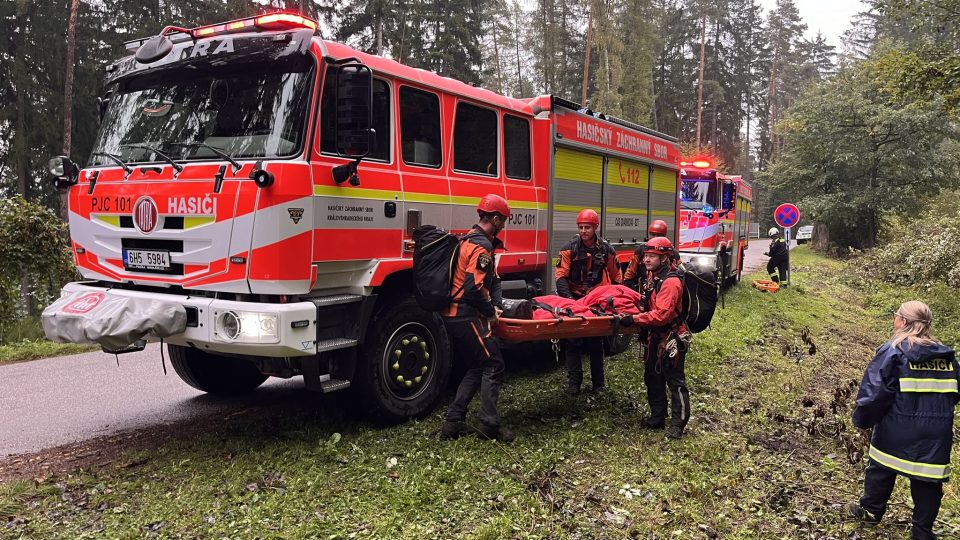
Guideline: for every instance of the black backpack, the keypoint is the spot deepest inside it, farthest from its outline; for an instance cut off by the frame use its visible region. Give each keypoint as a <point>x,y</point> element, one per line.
<point>700,295</point>
<point>434,261</point>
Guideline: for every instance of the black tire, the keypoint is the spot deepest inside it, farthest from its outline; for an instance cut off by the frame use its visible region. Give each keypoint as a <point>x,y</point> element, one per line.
<point>614,345</point>
<point>393,387</point>
<point>214,374</point>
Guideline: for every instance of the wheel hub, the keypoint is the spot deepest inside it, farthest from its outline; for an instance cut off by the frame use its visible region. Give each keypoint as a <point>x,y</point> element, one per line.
<point>409,361</point>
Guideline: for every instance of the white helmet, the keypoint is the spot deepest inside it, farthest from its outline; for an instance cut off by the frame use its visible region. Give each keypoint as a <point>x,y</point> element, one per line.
<point>773,232</point>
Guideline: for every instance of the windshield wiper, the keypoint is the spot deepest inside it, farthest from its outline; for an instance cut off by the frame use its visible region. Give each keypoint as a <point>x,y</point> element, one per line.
<point>177,167</point>
<point>236,164</point>
<point>116,159</point>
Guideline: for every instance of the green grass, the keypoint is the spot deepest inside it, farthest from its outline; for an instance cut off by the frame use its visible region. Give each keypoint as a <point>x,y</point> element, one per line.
<point>24,340</point>
<point>770,452</point>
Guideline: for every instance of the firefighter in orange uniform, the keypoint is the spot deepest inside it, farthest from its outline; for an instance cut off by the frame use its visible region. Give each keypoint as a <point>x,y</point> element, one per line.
<point>586,262</point>
<point>476,297</point>
<point>636,274</point>
<point>667,339</point>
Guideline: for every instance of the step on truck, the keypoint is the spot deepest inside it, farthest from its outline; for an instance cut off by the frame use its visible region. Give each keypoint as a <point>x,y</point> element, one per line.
<point>715,214</point>
<point>253,189</point>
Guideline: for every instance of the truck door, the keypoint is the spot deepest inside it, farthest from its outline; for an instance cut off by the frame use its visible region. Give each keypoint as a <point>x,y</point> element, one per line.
<point>357,222</point>
<point>664,184</point>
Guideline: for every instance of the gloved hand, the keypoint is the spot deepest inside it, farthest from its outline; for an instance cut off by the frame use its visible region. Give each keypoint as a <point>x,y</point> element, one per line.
<point>765,254</point>
<point>626,320</point>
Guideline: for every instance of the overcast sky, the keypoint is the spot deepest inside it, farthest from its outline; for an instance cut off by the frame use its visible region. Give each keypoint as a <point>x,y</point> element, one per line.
<point>830,17</point>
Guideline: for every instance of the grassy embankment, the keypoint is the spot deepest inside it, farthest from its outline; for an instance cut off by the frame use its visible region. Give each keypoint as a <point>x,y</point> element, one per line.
<point>770,452</point>
<point>25,341</point>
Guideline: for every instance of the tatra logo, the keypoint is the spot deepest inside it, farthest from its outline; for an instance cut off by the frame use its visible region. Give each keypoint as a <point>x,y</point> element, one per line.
<point>85,303</point>
<point>145,215</point>
<point>192,205</point>
<point>934,364</point>
<point>202,48</point>
<point>296,214</point>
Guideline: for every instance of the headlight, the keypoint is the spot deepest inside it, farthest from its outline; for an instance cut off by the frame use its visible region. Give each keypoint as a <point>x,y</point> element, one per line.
<point>703,262</point>
<point>247,327</point>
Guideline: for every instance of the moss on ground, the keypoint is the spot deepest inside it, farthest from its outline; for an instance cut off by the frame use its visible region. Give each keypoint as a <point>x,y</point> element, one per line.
<point>770,452</point>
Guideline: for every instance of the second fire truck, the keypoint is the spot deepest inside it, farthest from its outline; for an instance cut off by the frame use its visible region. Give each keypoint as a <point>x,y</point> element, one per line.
<point>715,213</point>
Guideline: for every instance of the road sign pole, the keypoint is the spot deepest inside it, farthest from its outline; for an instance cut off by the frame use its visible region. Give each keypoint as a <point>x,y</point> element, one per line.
<point>786,236</point>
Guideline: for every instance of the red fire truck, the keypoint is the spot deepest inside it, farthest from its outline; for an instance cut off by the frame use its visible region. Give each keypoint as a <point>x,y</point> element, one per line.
<point>715,211</point>
<point>268,181</point>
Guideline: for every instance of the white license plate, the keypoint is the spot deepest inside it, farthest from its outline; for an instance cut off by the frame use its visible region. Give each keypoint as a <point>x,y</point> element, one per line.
<point>146,259</point>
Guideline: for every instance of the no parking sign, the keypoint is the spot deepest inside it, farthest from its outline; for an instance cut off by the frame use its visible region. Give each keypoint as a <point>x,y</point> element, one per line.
<point>787,215</point>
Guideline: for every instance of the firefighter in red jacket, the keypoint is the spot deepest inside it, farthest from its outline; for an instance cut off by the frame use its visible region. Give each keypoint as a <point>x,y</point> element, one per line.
<point>667,339</point>
<point>474,309</point>
<point>636,274</point>
<point>586,262</point>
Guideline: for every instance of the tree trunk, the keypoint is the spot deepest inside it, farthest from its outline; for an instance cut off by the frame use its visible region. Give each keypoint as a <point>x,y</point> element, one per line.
<point>516,41</point>
<point>21,136</point>
<point>496,53</point>
<point>68,95</point>
<point>703,43</point>
<point>586,59</point>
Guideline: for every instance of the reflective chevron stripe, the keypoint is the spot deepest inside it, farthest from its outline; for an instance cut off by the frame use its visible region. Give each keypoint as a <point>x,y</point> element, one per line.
<point>924,470</point>
<point>942,386</point>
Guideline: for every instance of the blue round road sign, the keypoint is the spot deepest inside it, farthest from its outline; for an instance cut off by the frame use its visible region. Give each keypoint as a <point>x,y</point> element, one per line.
<point>787,215</point>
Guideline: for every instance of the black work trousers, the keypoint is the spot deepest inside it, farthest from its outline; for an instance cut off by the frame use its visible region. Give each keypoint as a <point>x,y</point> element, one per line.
<point>574,356</point>
<point>878,485</point>
<point>777,266</point>
<point>660,375</point>
<point>476,346</point>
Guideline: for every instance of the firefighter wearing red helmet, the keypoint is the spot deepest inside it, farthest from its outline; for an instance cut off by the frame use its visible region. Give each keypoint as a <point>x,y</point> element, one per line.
<point>667,339</point>
<point>585,262</point>
<point>636,274</point>
<point>474,309</point>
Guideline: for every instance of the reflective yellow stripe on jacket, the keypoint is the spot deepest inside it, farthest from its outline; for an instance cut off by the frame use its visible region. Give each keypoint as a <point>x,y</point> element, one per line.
<point>924,470</point>
<point>928,385</point>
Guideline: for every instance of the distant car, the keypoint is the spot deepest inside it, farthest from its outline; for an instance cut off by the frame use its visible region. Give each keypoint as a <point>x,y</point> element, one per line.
<point>804,233</point>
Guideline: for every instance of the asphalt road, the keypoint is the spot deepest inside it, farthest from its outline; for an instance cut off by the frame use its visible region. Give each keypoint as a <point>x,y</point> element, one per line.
<point>56,401</point>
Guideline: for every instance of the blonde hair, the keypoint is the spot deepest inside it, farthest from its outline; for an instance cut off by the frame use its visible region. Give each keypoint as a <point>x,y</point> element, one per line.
<point>918,320</point>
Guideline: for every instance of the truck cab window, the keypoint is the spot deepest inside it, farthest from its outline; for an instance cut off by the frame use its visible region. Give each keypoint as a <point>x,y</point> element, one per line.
<point>475,140</point>
<point>516,146</point>
<point>420,127</point>
<point>380,118</point>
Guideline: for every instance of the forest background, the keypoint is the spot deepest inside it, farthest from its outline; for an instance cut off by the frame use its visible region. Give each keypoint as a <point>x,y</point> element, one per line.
<point>863,138</point>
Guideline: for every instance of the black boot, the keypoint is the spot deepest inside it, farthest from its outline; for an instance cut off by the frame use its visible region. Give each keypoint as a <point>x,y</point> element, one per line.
<point>860,514</point>
<point>652,423</point>
<point>454,430</point>
<point>498,433</point>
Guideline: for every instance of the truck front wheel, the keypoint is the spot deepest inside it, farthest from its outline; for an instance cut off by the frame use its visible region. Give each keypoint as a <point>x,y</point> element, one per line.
<point>404,364</point>
<point>214,374</point>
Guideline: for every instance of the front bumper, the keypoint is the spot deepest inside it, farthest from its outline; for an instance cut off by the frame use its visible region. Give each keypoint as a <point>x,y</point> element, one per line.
<point>273,330</point>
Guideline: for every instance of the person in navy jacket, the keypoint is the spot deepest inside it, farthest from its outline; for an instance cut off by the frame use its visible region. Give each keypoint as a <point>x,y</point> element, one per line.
<point>907,396</point>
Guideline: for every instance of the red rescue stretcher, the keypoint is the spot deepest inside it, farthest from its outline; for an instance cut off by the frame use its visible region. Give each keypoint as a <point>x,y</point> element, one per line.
<point>517,330</point>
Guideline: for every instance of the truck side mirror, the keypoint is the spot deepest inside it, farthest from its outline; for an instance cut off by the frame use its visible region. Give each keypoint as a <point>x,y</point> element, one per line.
<point>354,106</point>
<point>64,172</point>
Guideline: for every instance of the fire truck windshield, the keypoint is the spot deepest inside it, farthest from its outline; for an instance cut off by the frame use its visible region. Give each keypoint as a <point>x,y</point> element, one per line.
<point>242,115</point>
<point>694,195</point>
